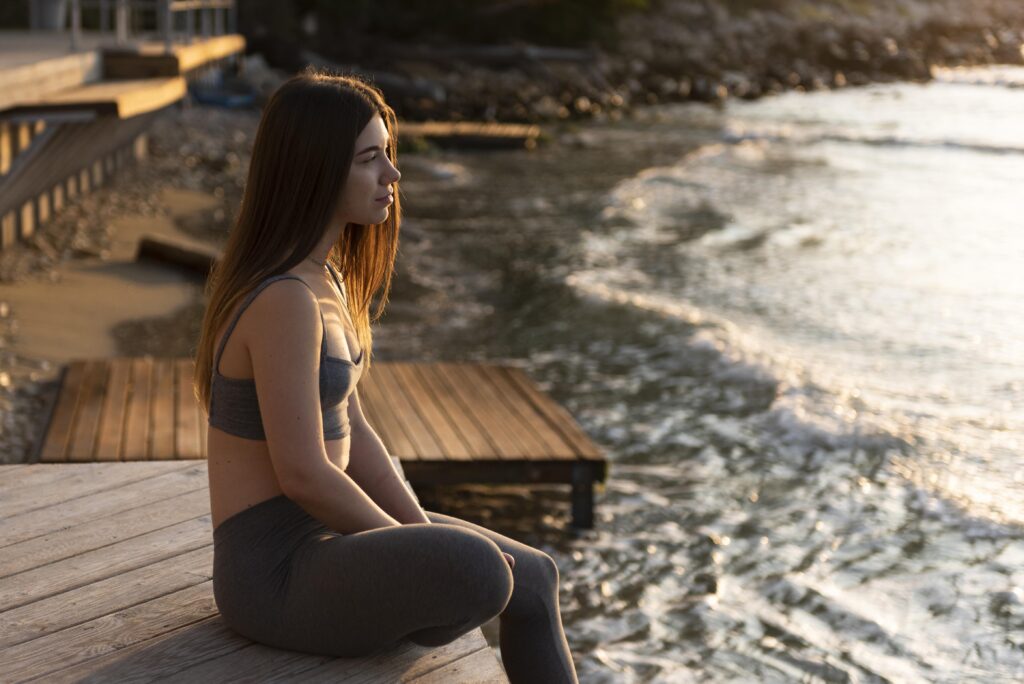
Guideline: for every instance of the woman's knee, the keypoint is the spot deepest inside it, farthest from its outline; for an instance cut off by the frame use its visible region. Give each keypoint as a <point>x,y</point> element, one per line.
<point>538,569</point>
<point>473,565</point>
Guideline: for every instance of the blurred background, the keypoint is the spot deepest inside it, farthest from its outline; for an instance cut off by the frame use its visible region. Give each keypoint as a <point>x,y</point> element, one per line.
<point>769,253</point>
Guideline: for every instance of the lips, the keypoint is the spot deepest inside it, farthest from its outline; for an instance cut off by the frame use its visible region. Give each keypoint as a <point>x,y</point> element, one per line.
<point>385,197</point>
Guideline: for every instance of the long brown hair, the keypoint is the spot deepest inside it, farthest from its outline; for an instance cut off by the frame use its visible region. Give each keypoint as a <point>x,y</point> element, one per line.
<point>301,156</point>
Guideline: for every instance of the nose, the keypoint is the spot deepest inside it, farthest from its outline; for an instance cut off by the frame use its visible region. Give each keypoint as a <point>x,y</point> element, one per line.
<point>395,174</point>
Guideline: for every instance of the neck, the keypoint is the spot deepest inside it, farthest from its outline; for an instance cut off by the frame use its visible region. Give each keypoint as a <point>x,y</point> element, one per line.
<point>321,264</point>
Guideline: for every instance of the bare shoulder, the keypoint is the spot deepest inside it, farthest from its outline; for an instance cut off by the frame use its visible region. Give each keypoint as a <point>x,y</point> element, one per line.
<point>285,311</point>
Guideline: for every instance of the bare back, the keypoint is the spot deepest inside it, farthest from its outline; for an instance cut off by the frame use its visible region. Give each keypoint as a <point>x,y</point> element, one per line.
<point>241,473</point>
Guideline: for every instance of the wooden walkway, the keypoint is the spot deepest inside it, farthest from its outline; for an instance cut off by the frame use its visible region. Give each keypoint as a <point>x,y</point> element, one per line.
<point>70,119</point>
<point>447,423</point>
<point>105,575</point>
<point>472,134</point>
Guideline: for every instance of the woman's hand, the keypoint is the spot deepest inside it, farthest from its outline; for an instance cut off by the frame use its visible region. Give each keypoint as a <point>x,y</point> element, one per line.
<point>509,559</point>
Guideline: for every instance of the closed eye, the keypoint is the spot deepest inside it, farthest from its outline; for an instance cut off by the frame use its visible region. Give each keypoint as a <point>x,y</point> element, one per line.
<point>369,159</point>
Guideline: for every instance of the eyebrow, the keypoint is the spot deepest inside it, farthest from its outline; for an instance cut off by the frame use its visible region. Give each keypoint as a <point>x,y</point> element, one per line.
<point>367,149</point>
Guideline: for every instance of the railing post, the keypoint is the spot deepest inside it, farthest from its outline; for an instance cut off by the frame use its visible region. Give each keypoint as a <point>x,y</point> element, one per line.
<point>204,20</point>
<point>104,17</point>
<point>218,21</point>
<point>121,21</point>
<point>167,23</point>
<point>232,18</point>
<point>189,31</point>
<point>76,25</point>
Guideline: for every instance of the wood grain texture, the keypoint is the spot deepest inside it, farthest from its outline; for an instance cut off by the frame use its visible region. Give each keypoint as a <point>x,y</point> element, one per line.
<point>106,575</point>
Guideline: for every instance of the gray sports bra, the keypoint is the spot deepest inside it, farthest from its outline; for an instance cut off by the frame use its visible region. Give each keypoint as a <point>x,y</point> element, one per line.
<point>235,408</point>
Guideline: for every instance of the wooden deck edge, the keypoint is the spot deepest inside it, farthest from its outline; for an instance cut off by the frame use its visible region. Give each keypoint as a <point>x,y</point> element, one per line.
<point>139,96</point>
<point>501,472</point>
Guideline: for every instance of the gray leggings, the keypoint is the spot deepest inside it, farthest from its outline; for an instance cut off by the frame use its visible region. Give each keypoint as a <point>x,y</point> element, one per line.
<point>282,578</point>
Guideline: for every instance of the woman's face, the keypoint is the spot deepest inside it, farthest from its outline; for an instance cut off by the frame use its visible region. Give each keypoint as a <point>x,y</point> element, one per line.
<point>370,177</point>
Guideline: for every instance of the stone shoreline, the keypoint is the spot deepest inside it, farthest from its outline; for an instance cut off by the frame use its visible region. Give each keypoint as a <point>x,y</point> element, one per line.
<point>681,50</point>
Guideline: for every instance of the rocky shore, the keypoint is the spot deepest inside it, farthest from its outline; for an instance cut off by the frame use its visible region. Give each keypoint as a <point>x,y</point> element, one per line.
<point>676,50</point>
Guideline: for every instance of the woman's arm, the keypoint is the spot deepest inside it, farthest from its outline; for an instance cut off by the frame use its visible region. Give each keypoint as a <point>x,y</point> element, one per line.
<point>370,466</point>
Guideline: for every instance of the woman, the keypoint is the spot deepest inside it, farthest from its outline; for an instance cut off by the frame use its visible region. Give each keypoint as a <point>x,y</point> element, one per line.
<point>319,545</point>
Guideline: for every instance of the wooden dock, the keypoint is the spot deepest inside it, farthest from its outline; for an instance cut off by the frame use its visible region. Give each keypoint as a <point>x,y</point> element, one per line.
<point>70,119</point>
<point>106,576</point>
<point>447,423</point>
<point>472,134</point>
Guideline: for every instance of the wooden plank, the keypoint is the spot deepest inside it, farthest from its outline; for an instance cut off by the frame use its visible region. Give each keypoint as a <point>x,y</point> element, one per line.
<point>55,447</point>
<point>500,435</point>
<point>157,620</point>
<point>472,434</point>
<point>33,475</point>
<point>123,98</point>
<point>103,563</point>
<point>7,470</point>
<point>177,652</point>
<point>550,442</point>
<point>86,642</point>
<point>115,408</point>
<point>103,532</point>
<point>505,410</point>
<point>405,411</point>
<point>388,427</point>
<point>265,664</point>
<point>82,445</point>
<point>82,481</point>
<point>162,416</point>
<point>166,480</point>
<point>43,71</point>
<point>404,663</point>
<point>481,667</point>
<point>207,50</point>
<point>559,418</point>
<point>6,147</point>
<point>423,398</point>
<point>186,426</point>
<point>136,429</point>
<point>472,133</point>
<point>105,596</point>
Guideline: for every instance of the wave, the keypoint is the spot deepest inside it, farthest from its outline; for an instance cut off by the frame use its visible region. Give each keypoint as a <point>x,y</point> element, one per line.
<point>738,133</point>
<point>816,407</point>
<point>794,417</point>
<point>1006,76</point>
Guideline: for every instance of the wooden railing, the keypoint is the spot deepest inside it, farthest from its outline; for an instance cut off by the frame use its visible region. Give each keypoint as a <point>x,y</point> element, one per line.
<point>216,17</point>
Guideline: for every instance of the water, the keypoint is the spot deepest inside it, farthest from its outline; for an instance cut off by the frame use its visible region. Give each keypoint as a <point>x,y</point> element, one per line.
<point>796,326</point>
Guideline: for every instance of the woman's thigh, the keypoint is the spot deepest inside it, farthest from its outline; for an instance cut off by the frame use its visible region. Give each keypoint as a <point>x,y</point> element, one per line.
<point>535,575</point>
<point>354,594</point>
<point>506,544</point>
